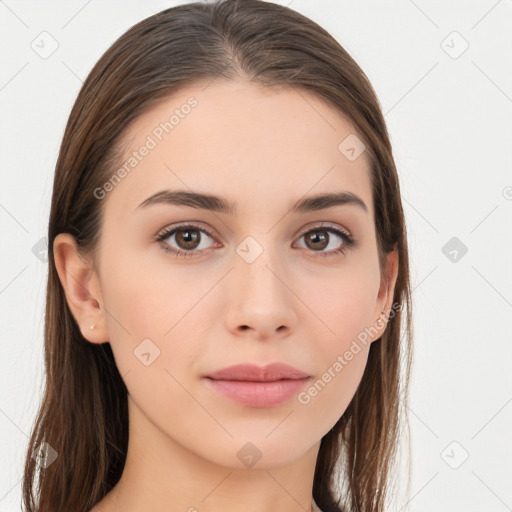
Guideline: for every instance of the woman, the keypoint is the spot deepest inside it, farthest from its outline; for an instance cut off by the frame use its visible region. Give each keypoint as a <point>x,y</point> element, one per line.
<point>228,272</point>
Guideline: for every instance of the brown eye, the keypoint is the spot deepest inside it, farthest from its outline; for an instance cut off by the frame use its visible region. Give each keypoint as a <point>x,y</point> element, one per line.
<point>188,240</point>
<point>320,238</point>
<point>317,240</point>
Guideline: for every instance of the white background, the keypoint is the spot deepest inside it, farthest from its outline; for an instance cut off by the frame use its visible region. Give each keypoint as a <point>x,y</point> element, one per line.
<point>451,127</point>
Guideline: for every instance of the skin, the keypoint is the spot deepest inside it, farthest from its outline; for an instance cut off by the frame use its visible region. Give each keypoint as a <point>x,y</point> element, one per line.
<point>263,148</point>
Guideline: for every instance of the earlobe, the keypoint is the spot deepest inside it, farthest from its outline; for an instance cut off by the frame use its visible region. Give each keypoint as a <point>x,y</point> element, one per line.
<point>77,278</point>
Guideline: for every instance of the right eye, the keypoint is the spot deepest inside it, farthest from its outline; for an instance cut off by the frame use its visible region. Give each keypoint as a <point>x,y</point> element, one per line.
<point>187,235</point>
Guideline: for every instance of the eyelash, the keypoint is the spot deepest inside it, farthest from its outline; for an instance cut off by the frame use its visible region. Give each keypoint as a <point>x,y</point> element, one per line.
<point>348,240</point>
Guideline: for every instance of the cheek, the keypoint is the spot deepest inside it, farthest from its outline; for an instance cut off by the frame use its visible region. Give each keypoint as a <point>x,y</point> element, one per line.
<point>153,335</point>
<point>345,306</point>
<point>343,301</point>
<point>342,348</point>
<point>331,392</point>
<point>148,309</point>
<point>149,297</point>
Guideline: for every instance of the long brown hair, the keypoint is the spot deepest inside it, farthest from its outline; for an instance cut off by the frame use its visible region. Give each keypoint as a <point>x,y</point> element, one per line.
<point>82,423</point>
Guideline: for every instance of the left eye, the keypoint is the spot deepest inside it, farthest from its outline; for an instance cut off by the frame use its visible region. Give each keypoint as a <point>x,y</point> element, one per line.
<point>322,236</point>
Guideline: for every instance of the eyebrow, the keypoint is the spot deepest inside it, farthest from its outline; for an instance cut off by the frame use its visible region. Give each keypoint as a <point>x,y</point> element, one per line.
<point>219,204</point>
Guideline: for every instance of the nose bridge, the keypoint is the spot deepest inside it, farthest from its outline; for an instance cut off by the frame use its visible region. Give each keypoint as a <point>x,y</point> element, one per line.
<point>260,298</point>
<point>257,264</point>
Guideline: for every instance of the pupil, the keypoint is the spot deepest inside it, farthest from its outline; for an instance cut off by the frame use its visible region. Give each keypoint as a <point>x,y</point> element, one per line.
<point>319,238</point>
<point>188,237</point>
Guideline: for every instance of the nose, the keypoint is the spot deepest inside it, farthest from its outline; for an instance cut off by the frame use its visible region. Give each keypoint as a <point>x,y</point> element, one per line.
<point>261,302</point>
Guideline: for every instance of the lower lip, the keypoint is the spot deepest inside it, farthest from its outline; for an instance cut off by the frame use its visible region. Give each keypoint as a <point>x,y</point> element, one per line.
<point>258,394</point>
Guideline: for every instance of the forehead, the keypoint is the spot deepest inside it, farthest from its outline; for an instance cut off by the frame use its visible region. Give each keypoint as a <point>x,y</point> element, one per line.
<point>257,146</point>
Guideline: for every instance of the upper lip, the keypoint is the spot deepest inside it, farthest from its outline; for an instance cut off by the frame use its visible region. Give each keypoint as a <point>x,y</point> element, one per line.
<point>252,372</point>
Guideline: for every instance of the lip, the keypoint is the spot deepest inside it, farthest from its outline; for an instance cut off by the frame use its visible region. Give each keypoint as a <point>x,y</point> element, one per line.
<point>257,386</point>
<point>252,372</point>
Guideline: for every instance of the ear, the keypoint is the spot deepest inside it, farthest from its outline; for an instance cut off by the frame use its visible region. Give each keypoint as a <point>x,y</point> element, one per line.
<point>385,296</point>
<point>81,287</point>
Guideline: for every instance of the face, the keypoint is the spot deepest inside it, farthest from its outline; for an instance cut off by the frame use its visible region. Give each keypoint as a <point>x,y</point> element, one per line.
<point>261,283</point>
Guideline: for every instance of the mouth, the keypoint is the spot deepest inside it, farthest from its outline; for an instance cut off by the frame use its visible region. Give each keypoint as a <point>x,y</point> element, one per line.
<point>258,393</point>
<point>258,386</point>
<point>251,372</point>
